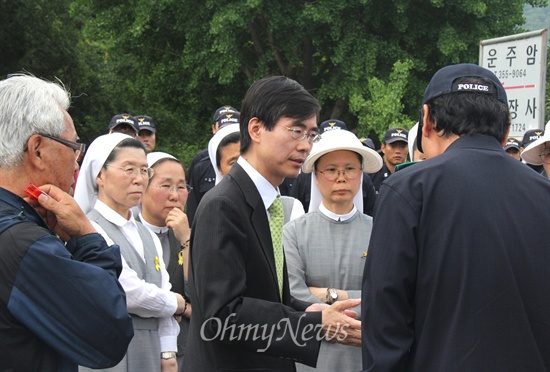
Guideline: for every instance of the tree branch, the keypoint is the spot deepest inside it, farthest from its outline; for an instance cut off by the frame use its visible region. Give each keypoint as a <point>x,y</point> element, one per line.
<point>278,58</point>
<point>339,106</point>
<point>307,80</point>
<point>256,42</point>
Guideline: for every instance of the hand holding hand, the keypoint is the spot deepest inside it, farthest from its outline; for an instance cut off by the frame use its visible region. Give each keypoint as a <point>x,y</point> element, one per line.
<point>339,325</point>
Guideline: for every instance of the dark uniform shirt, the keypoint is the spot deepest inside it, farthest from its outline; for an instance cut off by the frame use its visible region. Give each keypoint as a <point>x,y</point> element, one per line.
<point>457,276</point>
<point>198,157</point>
<point>202,178</point>
<point>61,305</point>
<point>380,176</point>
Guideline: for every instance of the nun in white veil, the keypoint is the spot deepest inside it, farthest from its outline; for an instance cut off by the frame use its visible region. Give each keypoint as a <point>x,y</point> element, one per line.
<point>224,149</point>
<point>112,180</point>
<point>325,248</point>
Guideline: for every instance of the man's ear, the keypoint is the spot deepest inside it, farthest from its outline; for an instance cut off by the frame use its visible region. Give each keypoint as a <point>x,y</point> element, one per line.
<point>427,124</point>
<point>505,139</point>
<point>35,151</point>
<point>255,129</point>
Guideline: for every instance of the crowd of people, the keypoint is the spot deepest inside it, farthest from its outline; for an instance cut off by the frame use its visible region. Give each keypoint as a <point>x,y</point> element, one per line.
<point>287,244</point>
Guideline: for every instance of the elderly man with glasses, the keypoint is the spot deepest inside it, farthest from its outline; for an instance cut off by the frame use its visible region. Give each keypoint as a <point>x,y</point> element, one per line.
<point>60,301</point>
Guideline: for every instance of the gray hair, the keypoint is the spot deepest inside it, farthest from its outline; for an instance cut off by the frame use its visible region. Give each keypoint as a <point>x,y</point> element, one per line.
<point>28,105</point>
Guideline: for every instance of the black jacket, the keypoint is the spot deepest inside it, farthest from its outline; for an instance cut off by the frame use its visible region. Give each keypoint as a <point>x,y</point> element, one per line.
<point>457,276</point>
<point>234,291</point>
<point>60,306</point>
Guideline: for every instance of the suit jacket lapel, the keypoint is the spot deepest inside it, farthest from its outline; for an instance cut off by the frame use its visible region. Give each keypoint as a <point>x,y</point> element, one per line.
<point>258,217</point>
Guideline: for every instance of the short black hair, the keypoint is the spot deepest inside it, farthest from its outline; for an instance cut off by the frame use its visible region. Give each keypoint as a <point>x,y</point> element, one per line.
<point>271,98</point>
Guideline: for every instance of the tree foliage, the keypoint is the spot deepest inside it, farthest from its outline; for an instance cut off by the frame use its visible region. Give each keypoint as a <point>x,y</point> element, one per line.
<point>367,61</point>
<point>42,38</point>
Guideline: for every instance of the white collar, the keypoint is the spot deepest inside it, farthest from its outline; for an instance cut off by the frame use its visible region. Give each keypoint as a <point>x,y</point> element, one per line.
<point>153,228</point>
<point>112,216</point>
<point>337,217</point>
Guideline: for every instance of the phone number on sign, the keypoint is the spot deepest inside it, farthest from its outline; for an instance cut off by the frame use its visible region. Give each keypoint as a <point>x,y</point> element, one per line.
<point>517,127</point>
<point>506,74</point>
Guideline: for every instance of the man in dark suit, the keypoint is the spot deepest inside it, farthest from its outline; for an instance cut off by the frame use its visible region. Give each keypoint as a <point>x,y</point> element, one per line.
<point>242,319</point>
<point>457,277</point>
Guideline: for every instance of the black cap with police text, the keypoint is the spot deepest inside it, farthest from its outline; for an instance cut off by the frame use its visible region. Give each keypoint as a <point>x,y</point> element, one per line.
<point>123,119</point>
<point>531,136</point>
<point>444,81</point>
<point>222,111</point>
<point>396,134</point>
<point>228,118</point>
<point>332,124</point>
<point>511,143</point>
<point>145,122</point>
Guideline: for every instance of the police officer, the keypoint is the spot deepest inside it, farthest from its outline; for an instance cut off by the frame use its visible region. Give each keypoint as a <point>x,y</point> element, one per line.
<point>395,150</point>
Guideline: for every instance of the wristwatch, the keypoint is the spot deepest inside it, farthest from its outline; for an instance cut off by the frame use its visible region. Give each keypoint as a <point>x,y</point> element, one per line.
<point>168,355</point>
<point>332,296</point>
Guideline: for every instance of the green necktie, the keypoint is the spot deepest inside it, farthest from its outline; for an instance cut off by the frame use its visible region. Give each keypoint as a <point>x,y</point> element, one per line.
<point>276,218</point>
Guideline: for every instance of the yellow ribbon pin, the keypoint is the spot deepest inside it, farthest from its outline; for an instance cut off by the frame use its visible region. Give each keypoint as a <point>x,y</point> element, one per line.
<point>157,263</point>
<point>180,258</point>
<point>364,255</point>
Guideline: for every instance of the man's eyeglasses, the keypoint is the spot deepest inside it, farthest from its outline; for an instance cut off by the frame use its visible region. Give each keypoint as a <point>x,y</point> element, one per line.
<point>331,174</point>
<point>545,156</point>
<point>301,134</point>
<point>145,173</point>
<point>79,148</point>
<point>180,189</point>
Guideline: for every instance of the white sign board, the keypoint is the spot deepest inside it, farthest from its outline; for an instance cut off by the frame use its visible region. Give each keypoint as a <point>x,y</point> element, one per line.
<point>519,61</point>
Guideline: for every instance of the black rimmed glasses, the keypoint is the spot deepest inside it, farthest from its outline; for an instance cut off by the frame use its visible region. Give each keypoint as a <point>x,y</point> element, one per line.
<point>79,148</point>
<point>145,173</point>
<point>300,134</point>
<point>331,174</point>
